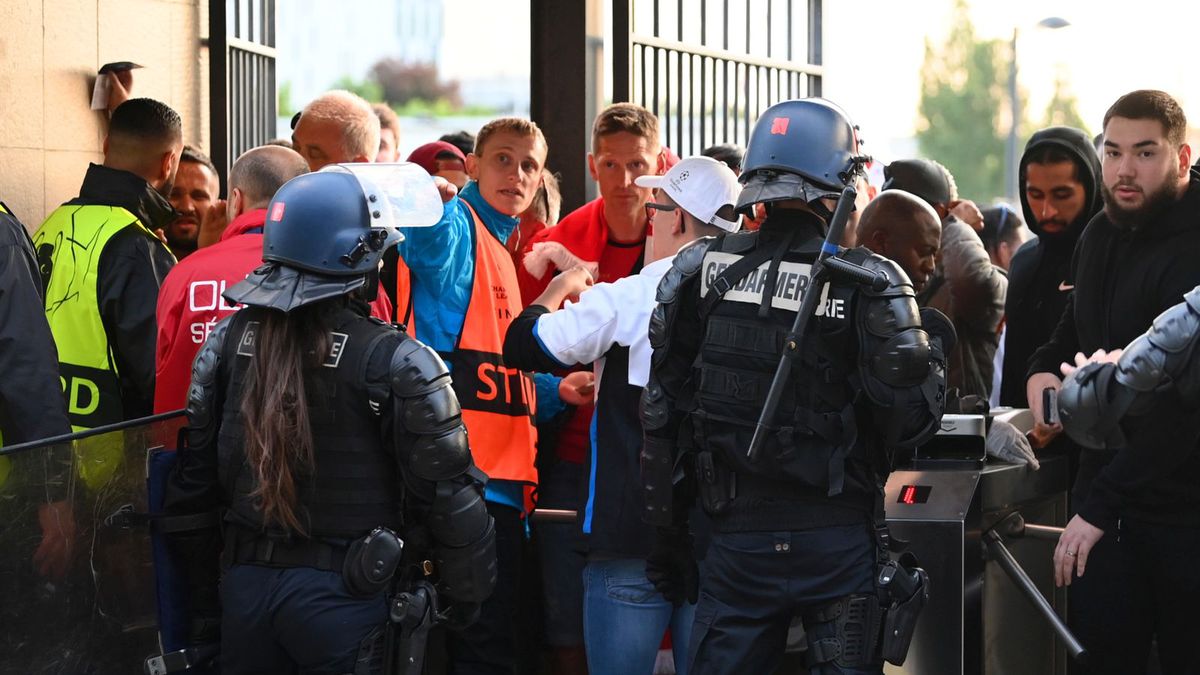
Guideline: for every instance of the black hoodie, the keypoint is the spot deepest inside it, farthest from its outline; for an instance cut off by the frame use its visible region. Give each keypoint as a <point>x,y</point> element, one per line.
<point>1039,274</point>
<point>1125,278</point>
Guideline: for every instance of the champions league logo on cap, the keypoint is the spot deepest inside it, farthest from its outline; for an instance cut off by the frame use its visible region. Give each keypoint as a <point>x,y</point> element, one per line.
<point>676,182</point>
<point>701,186</point>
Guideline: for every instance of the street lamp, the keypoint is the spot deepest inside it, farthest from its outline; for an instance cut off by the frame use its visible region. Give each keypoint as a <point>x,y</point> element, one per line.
<point>1010,159</point>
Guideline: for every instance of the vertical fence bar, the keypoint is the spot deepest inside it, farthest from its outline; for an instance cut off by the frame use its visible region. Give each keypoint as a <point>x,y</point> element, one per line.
<point>704,98</point>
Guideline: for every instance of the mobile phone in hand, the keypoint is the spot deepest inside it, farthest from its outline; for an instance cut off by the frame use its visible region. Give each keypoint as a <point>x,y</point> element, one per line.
<point>1050,406</point>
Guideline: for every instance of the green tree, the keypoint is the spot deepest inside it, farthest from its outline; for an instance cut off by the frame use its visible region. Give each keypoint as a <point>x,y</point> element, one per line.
<point>368,88</point>
<point>1063,109</point>
<point>283,100</point>
<point>962,94</point>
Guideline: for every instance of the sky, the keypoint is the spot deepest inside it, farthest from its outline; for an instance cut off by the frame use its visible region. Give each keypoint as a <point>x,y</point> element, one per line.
<point>875,48</point>
<point>874,51</point>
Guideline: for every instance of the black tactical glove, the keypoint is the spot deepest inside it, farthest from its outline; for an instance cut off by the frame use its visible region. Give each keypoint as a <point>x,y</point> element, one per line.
<point>672,568</point>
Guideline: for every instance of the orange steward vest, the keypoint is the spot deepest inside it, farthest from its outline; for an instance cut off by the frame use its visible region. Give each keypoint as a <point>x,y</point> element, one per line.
<point>498,402</point>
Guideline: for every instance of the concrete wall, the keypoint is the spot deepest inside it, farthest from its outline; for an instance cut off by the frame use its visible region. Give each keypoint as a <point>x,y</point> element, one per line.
<point>50,51</point>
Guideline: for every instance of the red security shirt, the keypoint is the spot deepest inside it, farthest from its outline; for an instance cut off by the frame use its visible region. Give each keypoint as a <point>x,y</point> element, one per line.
<point>190,304</point>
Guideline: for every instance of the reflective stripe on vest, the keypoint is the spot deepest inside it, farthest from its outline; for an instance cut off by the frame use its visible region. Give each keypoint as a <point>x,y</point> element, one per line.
<point>498,402</point>
<point>68,248</point>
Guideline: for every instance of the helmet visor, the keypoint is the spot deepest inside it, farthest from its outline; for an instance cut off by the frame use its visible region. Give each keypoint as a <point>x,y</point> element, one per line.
<point>400,194</point>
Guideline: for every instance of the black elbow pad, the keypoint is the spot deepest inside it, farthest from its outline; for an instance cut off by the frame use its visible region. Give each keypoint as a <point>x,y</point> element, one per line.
<point>458,515</point>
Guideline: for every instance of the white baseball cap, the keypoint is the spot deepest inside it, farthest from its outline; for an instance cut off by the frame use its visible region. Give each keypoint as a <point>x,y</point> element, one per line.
<point>700,186</point>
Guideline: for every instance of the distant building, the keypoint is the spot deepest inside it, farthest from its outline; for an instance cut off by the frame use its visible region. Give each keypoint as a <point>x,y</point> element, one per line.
<point>320,42</point>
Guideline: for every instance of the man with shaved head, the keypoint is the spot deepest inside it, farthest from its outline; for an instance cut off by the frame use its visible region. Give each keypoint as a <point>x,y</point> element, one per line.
<point>966,286</point>
<point>337,127</point>
<point>901,226</point>
<point>104,326</point>
<point>190,303</point>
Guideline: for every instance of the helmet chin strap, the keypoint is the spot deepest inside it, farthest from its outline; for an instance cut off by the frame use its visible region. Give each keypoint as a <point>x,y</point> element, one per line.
<point>819,207</point>
<point>370,290</point>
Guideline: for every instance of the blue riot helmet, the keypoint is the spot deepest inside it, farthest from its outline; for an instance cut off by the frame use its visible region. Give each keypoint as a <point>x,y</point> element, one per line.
<point>802,149</point>
<point>326,232</point>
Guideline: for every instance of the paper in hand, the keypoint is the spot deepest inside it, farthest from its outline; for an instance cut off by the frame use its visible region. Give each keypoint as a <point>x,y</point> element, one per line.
<point>100,91</point>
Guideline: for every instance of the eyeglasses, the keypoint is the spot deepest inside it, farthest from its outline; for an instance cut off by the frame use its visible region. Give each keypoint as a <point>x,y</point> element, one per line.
<point>651,207</point>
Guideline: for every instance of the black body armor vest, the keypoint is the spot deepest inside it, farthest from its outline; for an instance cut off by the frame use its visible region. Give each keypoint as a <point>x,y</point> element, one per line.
<point>816,437</point>
<point>355,485</point>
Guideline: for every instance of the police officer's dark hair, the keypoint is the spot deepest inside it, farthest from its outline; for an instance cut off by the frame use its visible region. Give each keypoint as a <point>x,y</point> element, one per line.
<point>196,156</point>
<point>146,120</point>
<point>279,440</point>
<point>261,171</point>
<point>728,153</point>
<point>1152,104</point>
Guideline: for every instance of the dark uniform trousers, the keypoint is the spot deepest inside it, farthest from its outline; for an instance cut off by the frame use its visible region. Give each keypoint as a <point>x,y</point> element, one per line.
<point>1142,580</point>
<point>755,582</point>
<point>293,620</point>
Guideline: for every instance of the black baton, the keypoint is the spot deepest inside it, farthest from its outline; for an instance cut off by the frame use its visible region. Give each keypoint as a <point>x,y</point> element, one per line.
<point>824,266</point>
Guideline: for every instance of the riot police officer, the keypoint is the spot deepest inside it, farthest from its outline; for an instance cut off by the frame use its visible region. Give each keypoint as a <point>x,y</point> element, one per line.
<point>321,433</point>
<point>798,529</point>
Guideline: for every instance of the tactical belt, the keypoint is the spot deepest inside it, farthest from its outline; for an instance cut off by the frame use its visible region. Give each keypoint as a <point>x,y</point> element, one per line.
<point>268,552</point>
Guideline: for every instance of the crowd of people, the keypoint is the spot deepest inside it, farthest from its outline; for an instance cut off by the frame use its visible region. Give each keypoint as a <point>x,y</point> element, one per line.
<point>612,363</point>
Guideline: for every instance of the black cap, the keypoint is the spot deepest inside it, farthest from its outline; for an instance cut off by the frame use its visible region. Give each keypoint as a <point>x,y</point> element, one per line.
<point>921,177</point>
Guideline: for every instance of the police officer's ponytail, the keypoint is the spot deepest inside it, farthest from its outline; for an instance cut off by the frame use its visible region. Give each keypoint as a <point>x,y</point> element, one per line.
<point>279,443</point>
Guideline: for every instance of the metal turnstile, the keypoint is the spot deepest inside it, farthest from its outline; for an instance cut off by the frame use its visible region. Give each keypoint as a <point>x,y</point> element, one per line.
<point>993,607</point>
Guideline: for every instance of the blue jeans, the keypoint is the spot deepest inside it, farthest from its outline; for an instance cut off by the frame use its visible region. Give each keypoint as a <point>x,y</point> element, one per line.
<point>624,619</point>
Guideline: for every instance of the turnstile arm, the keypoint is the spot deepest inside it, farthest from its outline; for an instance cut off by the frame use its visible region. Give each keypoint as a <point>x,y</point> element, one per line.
<point>1046,532</point>
<point>1009,564</point>
<point>1015,526</point>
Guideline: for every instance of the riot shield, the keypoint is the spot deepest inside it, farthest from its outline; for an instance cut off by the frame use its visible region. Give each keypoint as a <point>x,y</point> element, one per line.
<point>77,586</point>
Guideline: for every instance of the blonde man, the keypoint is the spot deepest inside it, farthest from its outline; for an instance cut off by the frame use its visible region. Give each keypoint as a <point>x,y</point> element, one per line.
<point>457,292</point>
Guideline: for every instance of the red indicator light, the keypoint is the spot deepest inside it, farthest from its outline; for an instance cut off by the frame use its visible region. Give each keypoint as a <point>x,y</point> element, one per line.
<point>914,494</point>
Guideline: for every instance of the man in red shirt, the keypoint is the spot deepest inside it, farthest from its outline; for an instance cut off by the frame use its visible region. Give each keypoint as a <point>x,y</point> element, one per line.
<point>190,302</point>
<point>609,235</point>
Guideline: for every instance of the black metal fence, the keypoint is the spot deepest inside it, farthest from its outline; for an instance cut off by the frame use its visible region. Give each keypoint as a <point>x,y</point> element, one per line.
<point>242,80</point>
<point>708,68</point>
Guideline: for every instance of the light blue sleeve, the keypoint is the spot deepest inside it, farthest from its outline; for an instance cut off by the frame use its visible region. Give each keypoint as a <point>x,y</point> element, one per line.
<point>442,268</point>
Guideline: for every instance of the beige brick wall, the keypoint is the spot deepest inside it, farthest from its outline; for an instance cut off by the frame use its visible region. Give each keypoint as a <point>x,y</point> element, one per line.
<point>50,51</point>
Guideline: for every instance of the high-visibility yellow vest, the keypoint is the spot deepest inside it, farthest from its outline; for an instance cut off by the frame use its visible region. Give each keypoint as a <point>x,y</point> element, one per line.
<point>69,245</point>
